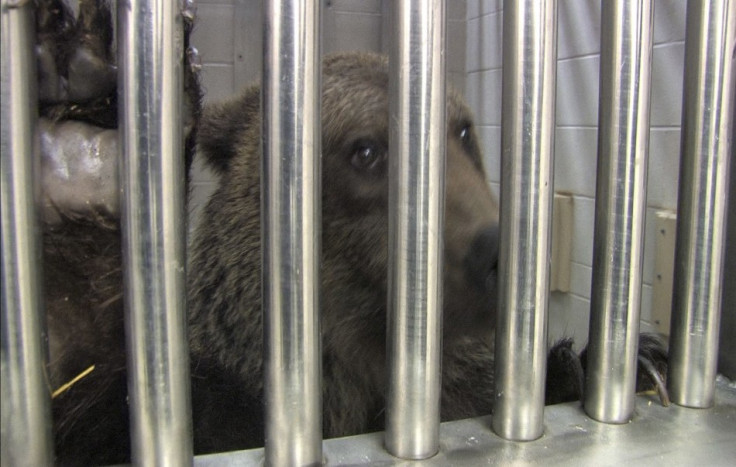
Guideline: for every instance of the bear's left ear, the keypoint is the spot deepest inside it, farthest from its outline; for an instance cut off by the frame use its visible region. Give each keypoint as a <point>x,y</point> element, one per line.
<point>223,125</point>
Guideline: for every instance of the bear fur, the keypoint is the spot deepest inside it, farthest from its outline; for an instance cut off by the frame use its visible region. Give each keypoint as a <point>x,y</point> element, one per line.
<point>83,274</point>
<point>225,319</point>
<point>225,316</point>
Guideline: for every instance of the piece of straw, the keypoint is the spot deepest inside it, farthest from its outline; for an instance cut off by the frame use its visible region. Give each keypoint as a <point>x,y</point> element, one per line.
<point>66,386</point>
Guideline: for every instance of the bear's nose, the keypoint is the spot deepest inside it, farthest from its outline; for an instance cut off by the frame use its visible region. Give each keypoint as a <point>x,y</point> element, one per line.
<point>481,261</point>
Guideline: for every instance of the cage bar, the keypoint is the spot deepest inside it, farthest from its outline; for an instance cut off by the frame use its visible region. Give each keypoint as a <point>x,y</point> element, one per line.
<point>527,140</point>
<point>708,106</point>
<point>150,50</point>
<point>26,413</point>
<point>416,211</point>
<point>290,223</point>
<point>621,191</point>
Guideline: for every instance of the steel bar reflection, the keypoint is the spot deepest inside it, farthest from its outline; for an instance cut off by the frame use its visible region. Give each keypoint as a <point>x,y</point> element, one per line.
<point>416,211</point>
<point>150,51</point>
<point>623,144</point>
<point>527,139</point>
<point>707,108</point>
<point>26,414</point>
<point>290,213</point>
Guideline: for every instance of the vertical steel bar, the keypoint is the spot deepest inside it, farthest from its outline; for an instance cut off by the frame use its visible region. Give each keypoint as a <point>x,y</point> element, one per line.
<point>150,51</point>
<point>26,414</point>
<point>623,144</point>
<point>417,141</point>
<point>527,139</point>
<point>703,198</point>
<point>290,210</point>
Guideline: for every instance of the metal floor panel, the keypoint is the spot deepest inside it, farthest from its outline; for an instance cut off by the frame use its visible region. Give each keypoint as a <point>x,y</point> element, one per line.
<point>671,436</point>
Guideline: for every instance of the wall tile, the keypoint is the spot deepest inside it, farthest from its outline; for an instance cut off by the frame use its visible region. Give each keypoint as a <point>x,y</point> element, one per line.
<point>213,33</point>
<point>495,189</point>
<point>650,246</point>
<point>476,8</point>
<point>485,42</point>
<point>581,277</point>
<point>576,160</point>
<point>664,168</point>
<point>582,242</point>
<point>646,303</point>
<point>217,82</point>
<point>456,46</point>
<point>490,145</point>
<point>577,91</point>
<point>484,95</point>
<point>355,32</point>
<point>667,74</point>
<point>457,80</point>
<point>354,6</point>
<point>669,21</point>
<point>457,10</point>
<point>579,28</point>
<point>576,134</point>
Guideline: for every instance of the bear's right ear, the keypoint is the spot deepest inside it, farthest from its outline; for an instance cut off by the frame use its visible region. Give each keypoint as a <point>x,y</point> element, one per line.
<point>223,125</point>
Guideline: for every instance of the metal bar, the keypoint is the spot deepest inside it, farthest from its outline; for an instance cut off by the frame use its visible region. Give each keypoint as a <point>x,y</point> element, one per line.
<point>708,100</point>
<point>290,210</point>
<point>527,139</point>
<point>26,412</point>
<point>621,192</point>
<point>417,138</point>
<point>150,51</point>
<point>668,435</point>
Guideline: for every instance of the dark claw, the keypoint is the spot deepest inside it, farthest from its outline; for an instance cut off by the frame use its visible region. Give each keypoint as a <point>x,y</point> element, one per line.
<point>76,73</point>
<point>82,265</point>
<point>656,379</point>
<point>55,28</point>
<point>653,366</point>
<point>566,370</point>
<point>92,54</point>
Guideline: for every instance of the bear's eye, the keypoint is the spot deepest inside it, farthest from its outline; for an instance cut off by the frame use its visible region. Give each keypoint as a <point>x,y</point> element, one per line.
<point>367,157</point>
<point>466,138</point>
<point>465,134</point>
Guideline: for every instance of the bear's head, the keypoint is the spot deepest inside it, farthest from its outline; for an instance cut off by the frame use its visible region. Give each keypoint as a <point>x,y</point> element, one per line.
<point>355,129</point>
<point>225,271</point>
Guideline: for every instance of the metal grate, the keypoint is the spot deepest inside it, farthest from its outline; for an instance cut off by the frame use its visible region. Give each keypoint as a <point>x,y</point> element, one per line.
<point>150,32</point>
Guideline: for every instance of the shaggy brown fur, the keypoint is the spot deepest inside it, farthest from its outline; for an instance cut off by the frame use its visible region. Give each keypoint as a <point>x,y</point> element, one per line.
<point>224,285</point>
<point>82,272</point>
<point>84,280</point>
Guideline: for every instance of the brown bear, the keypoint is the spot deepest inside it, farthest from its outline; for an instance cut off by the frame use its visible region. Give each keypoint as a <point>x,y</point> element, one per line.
<point>224,272</point>
<point>84,285</point>
<point>82,272</point>
<point>225,320</point>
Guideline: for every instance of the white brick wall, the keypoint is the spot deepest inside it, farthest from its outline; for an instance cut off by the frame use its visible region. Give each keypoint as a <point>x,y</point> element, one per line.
<point>228,37</point>
<point>576,134</point>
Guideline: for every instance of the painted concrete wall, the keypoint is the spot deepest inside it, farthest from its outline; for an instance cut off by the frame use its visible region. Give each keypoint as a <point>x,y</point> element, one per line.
<point>576,134</point>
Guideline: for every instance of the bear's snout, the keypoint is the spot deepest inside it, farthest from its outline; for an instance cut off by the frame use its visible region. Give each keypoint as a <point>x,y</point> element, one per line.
<point>481,261</point>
